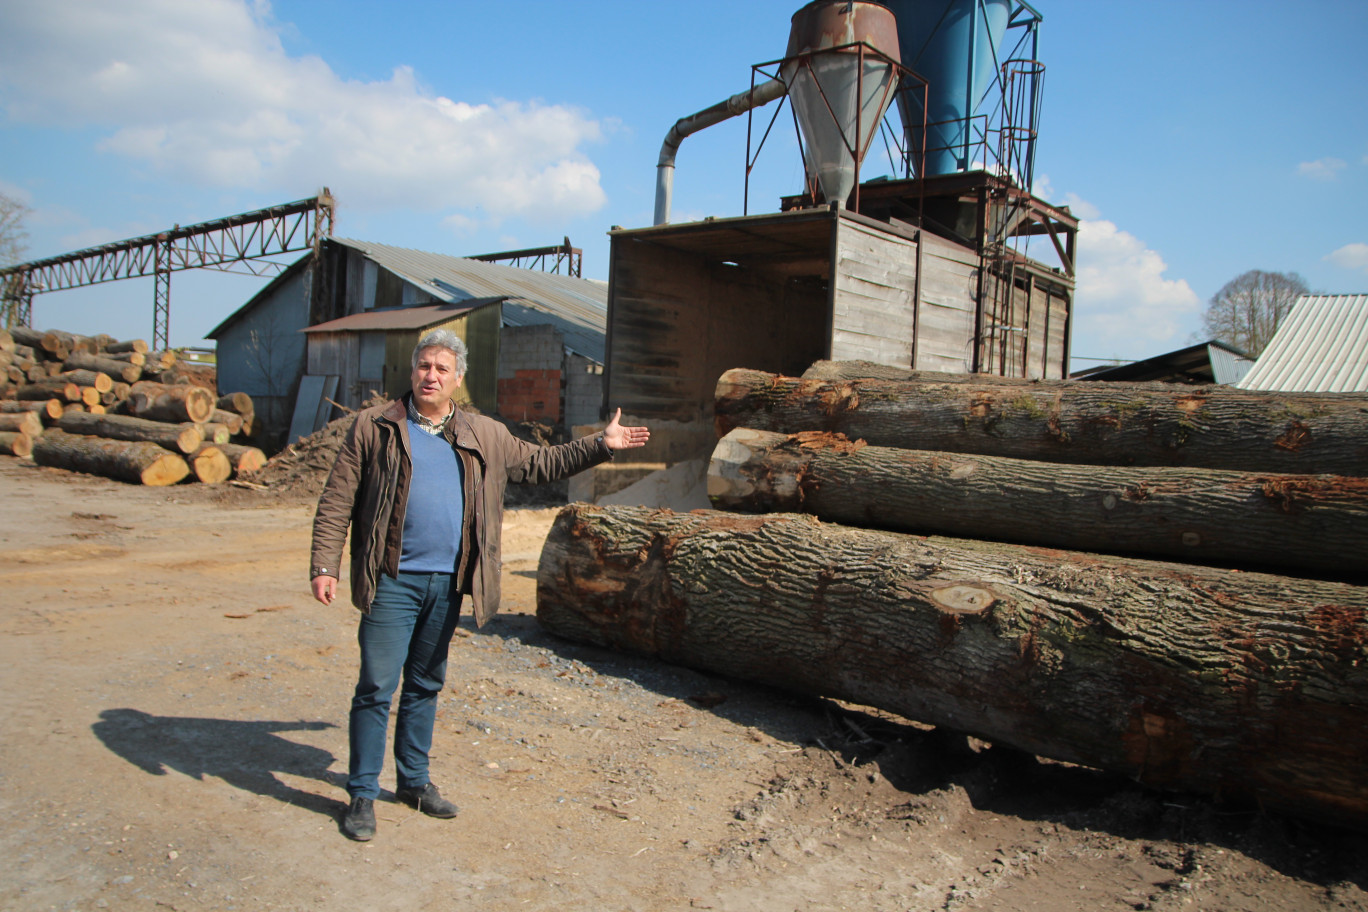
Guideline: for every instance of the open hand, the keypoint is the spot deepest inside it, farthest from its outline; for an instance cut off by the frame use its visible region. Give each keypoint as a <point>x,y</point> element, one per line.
<point>617,437</point>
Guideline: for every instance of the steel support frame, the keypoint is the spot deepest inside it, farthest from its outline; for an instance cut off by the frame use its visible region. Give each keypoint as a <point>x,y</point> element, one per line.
<point>246,241</point>
<point>572,258</point>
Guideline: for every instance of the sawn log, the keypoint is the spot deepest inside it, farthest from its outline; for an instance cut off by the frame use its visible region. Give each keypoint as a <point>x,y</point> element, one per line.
<point>1255,520</point>
<point>1213,427</point>
<point>1244,685</point>
<point>160,402</point>
<point>180,438</point>
<point>15,443</point>
<point>124,460</point>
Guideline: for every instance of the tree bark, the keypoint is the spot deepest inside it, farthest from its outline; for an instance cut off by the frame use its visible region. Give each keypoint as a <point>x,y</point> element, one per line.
<point>51,408</point>
<point>97,380</point>
<point>1065,421</point>
<point>128,345</point>
<point>124,460</point>
<point>117,370</point>
<point>170,403</point>
<point>216,433</point>
<point>245,459</point>
<point>210,465</point>
<point>231,420</point>
<point>1299,522</point>
<point>49,388</point>
<point>180,438</point>
<point>13,443</point>
<point>25,337</point>
<point>21,422</point>
<point>1245,685</point>
<point>241,403</point>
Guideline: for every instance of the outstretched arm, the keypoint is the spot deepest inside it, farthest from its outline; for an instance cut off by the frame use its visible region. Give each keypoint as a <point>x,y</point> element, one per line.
<point>617,437</point>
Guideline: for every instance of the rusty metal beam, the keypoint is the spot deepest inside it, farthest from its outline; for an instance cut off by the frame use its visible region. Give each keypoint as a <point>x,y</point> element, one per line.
<point>538,257</point>
<point>244,241</point>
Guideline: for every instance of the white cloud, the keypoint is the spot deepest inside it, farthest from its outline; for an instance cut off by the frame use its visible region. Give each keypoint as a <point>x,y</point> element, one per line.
<point>1124,306</point>
<point>205,92</point>
<point>1322,169</point>
<point>1080,207</point>
<point>1351,256</point>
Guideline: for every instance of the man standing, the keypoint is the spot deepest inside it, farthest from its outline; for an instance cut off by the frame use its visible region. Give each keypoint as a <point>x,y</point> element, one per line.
<point>421,484</point>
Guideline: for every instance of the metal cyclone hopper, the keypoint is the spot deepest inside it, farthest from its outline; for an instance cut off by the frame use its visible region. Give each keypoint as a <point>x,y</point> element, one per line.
<point>955,45</point>
<point>840,76</point>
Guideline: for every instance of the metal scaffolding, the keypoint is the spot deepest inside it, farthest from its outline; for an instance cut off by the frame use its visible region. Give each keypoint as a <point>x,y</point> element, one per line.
<point>239,243</point>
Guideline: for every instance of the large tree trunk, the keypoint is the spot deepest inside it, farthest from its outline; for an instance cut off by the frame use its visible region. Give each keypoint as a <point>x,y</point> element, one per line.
<point>237,402</point>
<point>1065,421</point>
<point>1239,684</point>
<point>128,345</point>
<point>14,443</point>
<point>124,460</point>
<point>1302,522</point>
<point>170,403</point>
<point>181,438</point>
<point>49,388</point>
<point>49,408</point>
<point>210,465</point>
<point>244,459</point>
<point>22,423</point>
<point>117,370</point>
<point>96,380</point>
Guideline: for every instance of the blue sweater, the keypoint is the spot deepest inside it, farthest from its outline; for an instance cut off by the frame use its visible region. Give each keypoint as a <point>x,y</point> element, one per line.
<point>436,506</point>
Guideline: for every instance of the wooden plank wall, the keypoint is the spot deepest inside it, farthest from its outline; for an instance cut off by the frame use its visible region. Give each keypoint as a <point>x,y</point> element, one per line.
<point>872,316</point>
<point>679,320</point>
<point>949,290</point>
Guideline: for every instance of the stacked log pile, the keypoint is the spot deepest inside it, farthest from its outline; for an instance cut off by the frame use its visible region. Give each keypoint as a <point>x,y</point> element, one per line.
<point>1237,665</point>
<point>61,392</point>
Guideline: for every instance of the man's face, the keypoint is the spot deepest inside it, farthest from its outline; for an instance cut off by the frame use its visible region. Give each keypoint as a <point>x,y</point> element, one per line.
<point>434,381</point>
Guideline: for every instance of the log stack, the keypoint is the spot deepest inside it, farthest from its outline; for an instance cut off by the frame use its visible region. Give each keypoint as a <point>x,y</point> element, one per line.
<point>124,394</point>
<point>1237,665</point>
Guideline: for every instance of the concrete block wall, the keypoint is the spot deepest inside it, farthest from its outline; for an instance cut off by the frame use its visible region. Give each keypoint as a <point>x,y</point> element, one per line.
<point>529,377</point>
<point>583,390</point>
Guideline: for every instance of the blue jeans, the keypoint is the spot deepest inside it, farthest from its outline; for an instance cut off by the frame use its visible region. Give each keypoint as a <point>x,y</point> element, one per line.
<point>408,631</point>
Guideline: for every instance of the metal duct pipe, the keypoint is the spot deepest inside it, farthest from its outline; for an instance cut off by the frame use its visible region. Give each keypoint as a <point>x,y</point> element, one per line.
<point>740,103</point>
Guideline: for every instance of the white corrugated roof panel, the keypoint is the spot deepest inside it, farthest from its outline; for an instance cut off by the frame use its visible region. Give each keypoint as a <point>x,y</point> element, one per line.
<point>1322,347</point>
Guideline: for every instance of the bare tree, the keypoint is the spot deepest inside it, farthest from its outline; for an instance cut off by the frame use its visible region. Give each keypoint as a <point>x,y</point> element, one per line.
<point>13,237</point>
<point>1249,308</point>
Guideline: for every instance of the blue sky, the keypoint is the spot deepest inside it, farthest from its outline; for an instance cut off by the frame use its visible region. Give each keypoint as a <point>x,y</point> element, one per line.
<point>1196,139</point>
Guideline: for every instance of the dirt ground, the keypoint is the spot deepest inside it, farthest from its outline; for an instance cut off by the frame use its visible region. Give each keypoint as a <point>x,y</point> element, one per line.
<point>176,739</point>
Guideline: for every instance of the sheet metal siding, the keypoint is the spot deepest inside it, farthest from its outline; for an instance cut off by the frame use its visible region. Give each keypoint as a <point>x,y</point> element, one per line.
<point>577,307</point>
<point>1226,366</point>
<point>1322,346</point>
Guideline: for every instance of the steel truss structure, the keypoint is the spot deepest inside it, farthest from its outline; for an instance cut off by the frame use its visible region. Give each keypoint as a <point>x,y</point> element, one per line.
<point>238,243</point>
<point>546,259</point>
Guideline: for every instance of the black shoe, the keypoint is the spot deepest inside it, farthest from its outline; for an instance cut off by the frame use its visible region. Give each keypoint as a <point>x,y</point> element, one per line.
<point>359,821</point>
<point>427,800</point>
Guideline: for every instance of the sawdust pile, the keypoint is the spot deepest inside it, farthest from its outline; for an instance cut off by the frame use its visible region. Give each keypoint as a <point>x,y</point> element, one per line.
<point>301,469</point>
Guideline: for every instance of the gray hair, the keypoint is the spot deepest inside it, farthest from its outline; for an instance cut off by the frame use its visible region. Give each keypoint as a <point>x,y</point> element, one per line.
<point>443,338</point>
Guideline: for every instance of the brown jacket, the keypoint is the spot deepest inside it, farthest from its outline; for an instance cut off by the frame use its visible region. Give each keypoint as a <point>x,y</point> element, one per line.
<point>368,489</point>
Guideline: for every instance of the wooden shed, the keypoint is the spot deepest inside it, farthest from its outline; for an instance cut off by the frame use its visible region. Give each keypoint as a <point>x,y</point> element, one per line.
<point>371,352</point>
<point>777,292</point>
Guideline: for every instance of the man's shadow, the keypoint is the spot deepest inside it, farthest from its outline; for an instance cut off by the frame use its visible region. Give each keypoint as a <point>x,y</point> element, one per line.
<point>246,755</point>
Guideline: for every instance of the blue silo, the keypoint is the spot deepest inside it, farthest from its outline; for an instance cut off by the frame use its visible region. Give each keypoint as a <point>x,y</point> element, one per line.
<point>956,46</point>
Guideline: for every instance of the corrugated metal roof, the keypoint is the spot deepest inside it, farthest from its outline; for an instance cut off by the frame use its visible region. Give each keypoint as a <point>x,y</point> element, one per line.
<point>1322,347</point>
<point>419,317</point>
<point>1228,365</point>
<point>1206,362</point>
<point>578,308</point>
